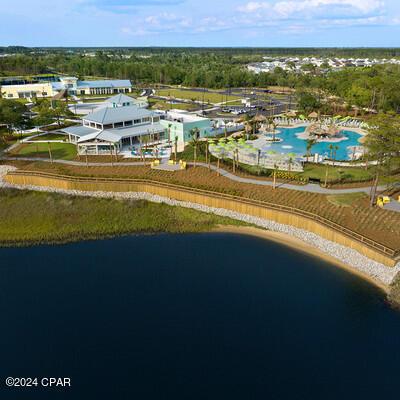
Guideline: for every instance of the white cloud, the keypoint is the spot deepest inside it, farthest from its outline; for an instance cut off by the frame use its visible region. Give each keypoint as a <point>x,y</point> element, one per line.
<point>288,8</point>
<point>254,6</point>
<point>291,7</point>
<point>285,16</point>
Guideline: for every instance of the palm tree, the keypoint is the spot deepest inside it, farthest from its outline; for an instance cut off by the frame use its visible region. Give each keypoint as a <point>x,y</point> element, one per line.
<point>194,133</point>
<point>275,170</point>
<point>336,148</point>
<point>258,160</point>
<point>169,134</point>
<point>236,159</point>
<point>273,131</point>
<point>290,163</point>
<point>331,151</point>
<point>225,129</point>
<point>248,125</point>
<point>326,175</point>
<point>176,147</point>
<point>310,144</point>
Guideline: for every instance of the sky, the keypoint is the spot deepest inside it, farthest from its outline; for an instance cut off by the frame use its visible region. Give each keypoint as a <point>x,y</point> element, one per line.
<point>208,23</point>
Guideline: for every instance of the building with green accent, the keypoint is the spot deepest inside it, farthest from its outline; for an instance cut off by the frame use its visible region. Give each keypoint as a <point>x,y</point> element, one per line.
<point>179,123</point>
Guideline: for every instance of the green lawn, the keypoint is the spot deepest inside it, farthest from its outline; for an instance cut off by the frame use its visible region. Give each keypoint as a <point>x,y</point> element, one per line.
<point>162,104</point>
<point>52,136</point>
<point>60,151</point>
<point>198,96</point>
<point>35,217</point>
<point>318,172</point>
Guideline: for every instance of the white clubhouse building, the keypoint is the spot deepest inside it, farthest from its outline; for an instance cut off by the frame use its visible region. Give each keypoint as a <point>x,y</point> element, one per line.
<point>116,126</point>
<point>40,88</point>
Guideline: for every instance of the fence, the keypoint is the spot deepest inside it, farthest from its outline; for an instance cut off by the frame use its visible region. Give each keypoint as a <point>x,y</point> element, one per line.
<point>279,213</point>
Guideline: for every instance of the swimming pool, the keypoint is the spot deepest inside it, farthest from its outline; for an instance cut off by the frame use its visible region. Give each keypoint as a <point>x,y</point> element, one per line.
<point>292,144</point>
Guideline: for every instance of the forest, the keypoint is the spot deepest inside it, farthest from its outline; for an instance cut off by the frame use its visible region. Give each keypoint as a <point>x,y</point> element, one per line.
<point>375,87</point>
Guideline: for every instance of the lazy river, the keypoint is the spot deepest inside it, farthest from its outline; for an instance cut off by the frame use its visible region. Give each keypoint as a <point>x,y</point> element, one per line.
<point>292,144</point>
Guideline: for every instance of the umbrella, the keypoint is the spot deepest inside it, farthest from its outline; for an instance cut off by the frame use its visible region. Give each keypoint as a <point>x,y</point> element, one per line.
<point>260,118</point>
<point>313,115</point>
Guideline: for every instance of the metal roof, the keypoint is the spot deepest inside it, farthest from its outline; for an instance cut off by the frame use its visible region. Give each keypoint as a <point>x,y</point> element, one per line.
<point>111,115</point>
<point>79,130</point>
<point>120,99</point>
<point>57,86</point>
<point>116,83</point>
<point>137,130</point>
<point>115,135</point>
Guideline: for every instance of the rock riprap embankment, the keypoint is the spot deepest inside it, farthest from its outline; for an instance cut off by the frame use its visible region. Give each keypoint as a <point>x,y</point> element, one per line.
<point>348,256</point>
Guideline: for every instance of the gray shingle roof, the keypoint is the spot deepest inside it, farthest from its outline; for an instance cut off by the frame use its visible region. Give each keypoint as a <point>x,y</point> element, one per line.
<point>111,115</point>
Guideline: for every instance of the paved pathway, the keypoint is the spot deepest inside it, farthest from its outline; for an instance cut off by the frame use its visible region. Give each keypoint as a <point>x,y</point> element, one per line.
<point>393,206</point>
<point>312,188</point>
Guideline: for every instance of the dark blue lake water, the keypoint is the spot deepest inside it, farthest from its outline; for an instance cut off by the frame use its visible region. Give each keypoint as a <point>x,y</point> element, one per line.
<point>210,316</point>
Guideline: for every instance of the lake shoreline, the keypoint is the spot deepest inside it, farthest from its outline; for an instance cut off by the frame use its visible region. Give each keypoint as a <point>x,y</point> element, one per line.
<point>350,259</point>
<point>299,245</point>
<point>277,237</point>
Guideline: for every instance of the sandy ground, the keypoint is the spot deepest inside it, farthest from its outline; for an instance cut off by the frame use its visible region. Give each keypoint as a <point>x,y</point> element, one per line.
<point>298,245</point>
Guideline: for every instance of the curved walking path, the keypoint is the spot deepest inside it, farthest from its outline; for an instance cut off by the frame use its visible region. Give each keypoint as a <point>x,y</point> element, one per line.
<point>310,187</point>
<point>379,273</point>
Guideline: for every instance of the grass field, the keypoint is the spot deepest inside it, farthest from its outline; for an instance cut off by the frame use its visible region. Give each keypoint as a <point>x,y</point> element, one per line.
<point>51,136</point>
<point>194,95</point>
<point>35,217</point>
<point>318,172</point>
<point>375,223</point>
<point>60,151</point>
<point>163,105</point>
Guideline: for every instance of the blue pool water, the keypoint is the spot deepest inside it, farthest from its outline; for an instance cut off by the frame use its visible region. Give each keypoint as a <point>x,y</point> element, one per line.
<point>292,144</point>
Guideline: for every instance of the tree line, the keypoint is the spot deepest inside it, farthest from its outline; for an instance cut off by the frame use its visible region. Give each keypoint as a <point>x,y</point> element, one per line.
<point>377,87</point>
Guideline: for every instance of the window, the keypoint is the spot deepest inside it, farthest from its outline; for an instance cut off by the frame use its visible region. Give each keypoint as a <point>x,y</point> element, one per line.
<point>147,119</point>
<point>82,92</point>
<point>118,125</point>
<point>156,119</point>
<point>137,121</point>
<point>98,126</point>
<point>128,123</point>
<point>108,126</point>
<point>10,95</point>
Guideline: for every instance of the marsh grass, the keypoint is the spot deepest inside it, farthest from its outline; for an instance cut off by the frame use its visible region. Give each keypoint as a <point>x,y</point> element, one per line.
<point>28,217</point>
